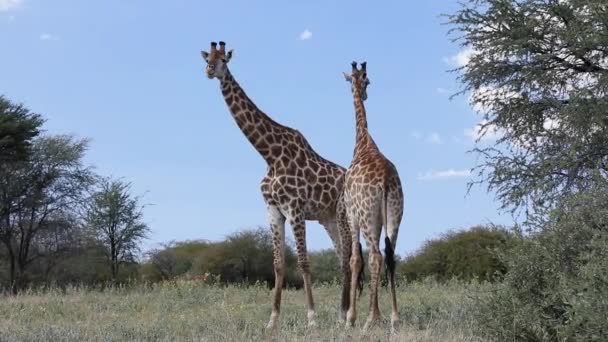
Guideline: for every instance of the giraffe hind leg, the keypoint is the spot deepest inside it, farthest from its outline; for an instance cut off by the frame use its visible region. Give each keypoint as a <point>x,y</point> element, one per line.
<point>372,232</point>
<point>394,214</point>
<point>340,236</point>
<point>356,262</point>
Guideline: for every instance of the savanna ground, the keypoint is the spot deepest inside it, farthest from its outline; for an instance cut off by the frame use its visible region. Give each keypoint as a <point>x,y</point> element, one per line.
<point>190,311</point>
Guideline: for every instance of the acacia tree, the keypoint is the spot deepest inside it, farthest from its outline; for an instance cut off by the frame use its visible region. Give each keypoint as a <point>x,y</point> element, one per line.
<point>38,196</point>
<point>538,71</point>
<point>116,218</point>
<point>18,126</point>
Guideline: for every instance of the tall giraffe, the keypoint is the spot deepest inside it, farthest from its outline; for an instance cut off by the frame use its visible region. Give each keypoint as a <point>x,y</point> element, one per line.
<point>299,184</point>
<point>374,198</point>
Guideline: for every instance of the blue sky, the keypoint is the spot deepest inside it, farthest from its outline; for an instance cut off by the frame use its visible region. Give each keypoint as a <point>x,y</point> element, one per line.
<point>128,75</point>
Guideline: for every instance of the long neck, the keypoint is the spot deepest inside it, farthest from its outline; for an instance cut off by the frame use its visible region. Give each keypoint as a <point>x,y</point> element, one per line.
<point>363,139</point>
<point>259,128</point>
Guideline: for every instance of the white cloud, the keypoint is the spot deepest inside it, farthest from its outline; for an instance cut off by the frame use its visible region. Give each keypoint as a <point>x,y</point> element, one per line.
<point>416,135</point>
<point>434,138</point>
<point>460,59</point>
<point>445,174</point>
<point>7,5</point>
<point>443,91</point>
<point>48,36</point>
<point>306,35</point>
<point>483,132</point>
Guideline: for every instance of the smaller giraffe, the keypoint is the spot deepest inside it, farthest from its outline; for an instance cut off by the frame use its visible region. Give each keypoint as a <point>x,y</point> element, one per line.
<point>374,198</point>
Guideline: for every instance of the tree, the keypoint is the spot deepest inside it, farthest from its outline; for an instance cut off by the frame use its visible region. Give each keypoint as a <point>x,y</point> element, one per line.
<point>116,218</point>
<point>538,71</point>
<point>18,126</point>
<point>38,198</point>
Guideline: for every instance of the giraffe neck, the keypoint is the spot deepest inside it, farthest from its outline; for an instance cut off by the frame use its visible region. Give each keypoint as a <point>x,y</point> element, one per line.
<point>261,131</point>
<point>363,139</point>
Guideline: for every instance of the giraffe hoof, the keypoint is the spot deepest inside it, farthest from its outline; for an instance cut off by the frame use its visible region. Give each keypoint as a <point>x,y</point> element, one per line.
<point>311,319</point>
<point>368,324</point>
<point>342,317</point>
<point>394,325</point>
<point>271,325</point>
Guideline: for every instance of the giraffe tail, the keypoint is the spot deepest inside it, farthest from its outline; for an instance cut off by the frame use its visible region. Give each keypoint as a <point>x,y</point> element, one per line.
<point>389,259</point>
<point>361,273</point>
<point>389,252</point>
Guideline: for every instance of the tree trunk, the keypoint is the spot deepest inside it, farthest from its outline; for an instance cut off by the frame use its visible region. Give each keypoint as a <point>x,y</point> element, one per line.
<point>12,275</point>
<point>113,265</point>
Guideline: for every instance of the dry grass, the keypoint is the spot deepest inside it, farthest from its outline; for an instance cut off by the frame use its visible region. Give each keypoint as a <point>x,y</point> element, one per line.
<point>188,311</point>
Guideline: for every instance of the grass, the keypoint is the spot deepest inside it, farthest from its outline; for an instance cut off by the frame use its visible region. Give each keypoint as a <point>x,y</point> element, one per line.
<point>190,311</point>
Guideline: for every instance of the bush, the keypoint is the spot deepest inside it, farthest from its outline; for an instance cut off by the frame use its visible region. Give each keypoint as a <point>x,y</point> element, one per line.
<point>243,257</point>
<point>557,284</point>
<point>325,266</point>
<point>464,255</point>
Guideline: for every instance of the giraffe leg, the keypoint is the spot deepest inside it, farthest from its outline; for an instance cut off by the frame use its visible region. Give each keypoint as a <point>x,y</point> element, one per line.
<point>356,261</point>
<point>346,246</point>
<point>375,265</point>
<point>394,215</point>
<point>299,232</point>
<point>340,237</point>
<point>277,224</point>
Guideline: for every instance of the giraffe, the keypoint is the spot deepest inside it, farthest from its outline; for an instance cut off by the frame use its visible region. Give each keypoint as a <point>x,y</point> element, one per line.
<point>374,198</point>
<point>299,184</point>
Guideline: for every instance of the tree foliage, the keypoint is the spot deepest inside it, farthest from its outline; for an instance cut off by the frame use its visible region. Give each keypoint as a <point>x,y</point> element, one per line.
<point>115,216</point>
<point>39,198</point>
<point>538,72</point>
<point>18,127</point>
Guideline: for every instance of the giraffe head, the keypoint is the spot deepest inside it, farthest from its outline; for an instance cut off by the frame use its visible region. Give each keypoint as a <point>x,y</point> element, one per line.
<point>217,60</point>
<point>358,80</point>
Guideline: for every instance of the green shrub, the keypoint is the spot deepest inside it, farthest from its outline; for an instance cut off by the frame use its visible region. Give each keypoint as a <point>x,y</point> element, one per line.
<point>464,255</point>
<point>557,284</point>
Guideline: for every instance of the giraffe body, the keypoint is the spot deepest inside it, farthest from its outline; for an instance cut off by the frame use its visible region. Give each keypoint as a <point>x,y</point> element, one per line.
<point>373,197</point>
<point>299,184</point>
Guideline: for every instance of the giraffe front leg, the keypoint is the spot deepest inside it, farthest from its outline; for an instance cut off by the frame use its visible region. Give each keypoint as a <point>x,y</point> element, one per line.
<point>277,224</point>
<point>299,231</point>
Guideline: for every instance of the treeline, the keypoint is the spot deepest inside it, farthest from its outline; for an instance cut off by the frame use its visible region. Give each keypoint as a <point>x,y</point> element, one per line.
<point>246,257</point>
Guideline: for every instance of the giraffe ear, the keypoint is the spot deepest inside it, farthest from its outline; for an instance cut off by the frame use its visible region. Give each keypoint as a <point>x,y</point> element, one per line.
<point>229,55</point>
<point>205,55</point>
<point>348,77</point>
